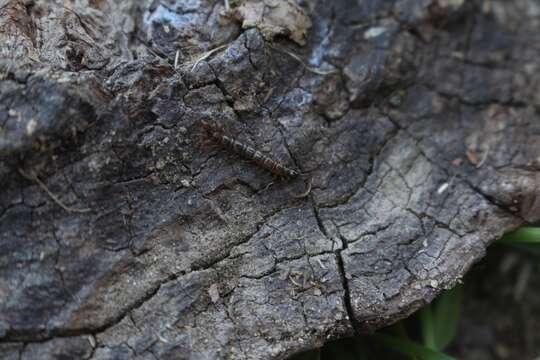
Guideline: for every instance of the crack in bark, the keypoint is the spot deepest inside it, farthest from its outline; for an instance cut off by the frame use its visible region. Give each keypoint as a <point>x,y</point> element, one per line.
<point>372,158</point>
<point>457,174</point>
<point>341,268</point>
<point>64,333</point>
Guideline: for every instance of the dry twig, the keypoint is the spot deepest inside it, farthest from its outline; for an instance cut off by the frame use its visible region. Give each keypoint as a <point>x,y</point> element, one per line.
<point>301,61</point>
<point>56,199</point>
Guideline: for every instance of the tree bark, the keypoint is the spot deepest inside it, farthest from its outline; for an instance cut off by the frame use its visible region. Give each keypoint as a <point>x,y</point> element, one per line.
<point>125,235</point>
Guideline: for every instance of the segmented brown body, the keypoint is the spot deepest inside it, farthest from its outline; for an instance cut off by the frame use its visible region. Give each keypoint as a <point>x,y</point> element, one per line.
<point>248,152</point>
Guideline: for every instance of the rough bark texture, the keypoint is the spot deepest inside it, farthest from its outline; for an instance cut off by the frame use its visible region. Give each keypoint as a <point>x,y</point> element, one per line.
<point>417,121</point>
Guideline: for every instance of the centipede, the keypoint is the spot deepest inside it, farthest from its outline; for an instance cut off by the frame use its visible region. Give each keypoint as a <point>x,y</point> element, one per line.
<point>248,152</point>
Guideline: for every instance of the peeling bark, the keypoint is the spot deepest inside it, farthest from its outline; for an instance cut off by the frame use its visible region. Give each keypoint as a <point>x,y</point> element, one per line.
<point>416,120</point>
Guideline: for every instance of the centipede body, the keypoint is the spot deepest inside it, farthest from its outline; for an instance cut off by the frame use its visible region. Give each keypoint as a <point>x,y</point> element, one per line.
<point>248,152</point>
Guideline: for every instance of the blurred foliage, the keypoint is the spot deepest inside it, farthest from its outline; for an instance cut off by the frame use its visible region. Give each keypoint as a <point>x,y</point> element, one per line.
<point>427,333</point>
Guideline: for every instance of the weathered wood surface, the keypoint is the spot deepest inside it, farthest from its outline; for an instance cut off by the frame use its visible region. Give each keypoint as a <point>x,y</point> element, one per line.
<point>417,120</point>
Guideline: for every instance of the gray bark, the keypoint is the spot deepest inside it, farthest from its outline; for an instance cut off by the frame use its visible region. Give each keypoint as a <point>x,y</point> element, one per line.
<point>123,236</point>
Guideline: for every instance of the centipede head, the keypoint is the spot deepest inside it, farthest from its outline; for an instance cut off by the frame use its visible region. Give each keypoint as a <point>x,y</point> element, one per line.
<point>211,127</point>
<point>203,139</point>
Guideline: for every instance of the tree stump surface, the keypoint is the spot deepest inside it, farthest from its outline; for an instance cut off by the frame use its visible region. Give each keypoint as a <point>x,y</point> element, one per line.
<point>124,235</point>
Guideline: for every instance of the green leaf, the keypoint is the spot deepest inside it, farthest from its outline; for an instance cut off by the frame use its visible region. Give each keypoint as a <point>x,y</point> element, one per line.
<point>410,348</point>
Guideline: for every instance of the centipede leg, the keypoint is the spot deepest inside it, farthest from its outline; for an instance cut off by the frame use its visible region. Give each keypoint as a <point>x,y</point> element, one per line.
<point>307,191</point>
<point>269,185</point>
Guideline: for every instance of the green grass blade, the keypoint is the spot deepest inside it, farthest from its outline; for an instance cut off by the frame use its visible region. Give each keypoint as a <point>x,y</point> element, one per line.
<point>427,327</point>
<point>345,349</point>
<point>409,348</point>
<point>523,235</point>
<point>362,349</point>
<point>446,314</point>
<point>314,354</point>
<point>525,239</point>
<point>529,249</point>
<point>398,329</point>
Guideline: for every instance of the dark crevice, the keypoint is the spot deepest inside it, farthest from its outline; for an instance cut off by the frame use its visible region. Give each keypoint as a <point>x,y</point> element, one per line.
<point>13,335</point>
<point>94,346</point>
<point>512,103</point>
<point>494,201</point>
<point>342,273</point>
<point>369,172</point>
<point>21,350</point>
<point>229,99</point>
<point>347,293</point>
